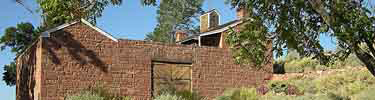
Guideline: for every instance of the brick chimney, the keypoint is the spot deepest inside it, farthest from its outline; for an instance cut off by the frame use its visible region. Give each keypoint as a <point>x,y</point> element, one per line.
<point>241,12</point>
<point>180,35</point>
<point>209,20</point>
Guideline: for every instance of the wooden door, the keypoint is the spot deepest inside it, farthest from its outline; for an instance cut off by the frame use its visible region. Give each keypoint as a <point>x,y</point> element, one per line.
<point>170,76</point>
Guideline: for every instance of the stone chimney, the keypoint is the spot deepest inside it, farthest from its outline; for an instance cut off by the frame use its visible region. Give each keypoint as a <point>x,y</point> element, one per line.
<point>181,35</point>
<point>209,20</point>
<point>241,12</point>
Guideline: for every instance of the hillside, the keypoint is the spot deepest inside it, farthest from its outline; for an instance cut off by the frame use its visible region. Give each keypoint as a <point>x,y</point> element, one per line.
<point>306,79</point>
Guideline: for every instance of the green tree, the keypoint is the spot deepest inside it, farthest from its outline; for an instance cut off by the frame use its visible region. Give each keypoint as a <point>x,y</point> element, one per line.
<point>56,12</point>
<point>9,76</point>
<point>297,24</point>
<point>18,39</point>
<point>174,15</point>
<point>159,35</point>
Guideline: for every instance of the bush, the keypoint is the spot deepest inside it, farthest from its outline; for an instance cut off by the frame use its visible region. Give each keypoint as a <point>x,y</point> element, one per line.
<point>283,87</point>
<point>96,93</point>
<point>85,96</point>
<point>300,65</point>
<point>365,95</point>
<point>272,96</point>
<point>351,61</point>
<point>262,90</point>
<point>312,97</point>
<point>239,94</point>
<point>279,87</point>
<point>179,95</point>
<point>293,63</point>
<point>292,55</point>
<point>187,95</point>
<point>329,96</point>
<point>167,96</point>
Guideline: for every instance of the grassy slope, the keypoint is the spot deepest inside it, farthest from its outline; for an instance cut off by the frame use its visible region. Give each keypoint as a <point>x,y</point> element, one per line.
<point>342,80</point>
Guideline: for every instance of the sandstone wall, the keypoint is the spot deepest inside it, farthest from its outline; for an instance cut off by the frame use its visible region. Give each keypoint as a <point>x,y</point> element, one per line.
<point>78,57</point>
<point>28,85</point>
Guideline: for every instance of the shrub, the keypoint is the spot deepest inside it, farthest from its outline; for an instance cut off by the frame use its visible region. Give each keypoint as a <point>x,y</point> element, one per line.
<point>351,61</point>
<point>279,88</point>
<point>85,96</point>
<point>365,95</point>
<point>283,87</point>
<point>167,96</point>
<point>312,97</point>
<point>96,93</point>
<point>179,95</point>
<point>272,96</point>
<point>223,98</point>
<point>262,90</point>
<point>239,94</point>
<point>292,55</point>
<point>300,65</point>
<point>187,95</point>
<point>292,90</point>
<point>334,96</point>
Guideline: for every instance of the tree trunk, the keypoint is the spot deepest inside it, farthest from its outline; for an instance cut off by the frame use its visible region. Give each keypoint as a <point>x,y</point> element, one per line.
<point>367,59</point>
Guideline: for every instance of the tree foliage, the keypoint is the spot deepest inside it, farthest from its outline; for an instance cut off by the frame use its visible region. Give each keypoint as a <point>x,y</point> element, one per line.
<point>159,35</point>
<point>19,38</point>
<point>9,75</point>
<point>249,46</point>
<point>56,12</point>
<point>297,24</point>
<point>149,2</point>
<point>174,15</point>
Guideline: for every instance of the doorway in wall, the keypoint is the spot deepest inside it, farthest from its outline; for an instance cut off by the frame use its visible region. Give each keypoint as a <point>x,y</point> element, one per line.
<point>168,77</point>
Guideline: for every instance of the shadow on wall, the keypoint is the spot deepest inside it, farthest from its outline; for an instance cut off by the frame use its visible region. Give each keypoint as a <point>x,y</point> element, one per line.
<point>27,83</point>
<point>74,48</point>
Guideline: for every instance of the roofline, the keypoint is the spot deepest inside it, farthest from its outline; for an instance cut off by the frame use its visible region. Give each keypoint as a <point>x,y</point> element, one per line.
<point>99,30</point>
<point>186,40</point>
<point>47,33</point>
<point>221,29</point>
<point>28,48</point>
<point>210,11</point>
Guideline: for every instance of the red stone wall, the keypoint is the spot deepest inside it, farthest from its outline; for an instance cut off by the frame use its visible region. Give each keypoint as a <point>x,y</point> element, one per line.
<point>78,57</point>
<point>214,71</point>
<point>29,73</point>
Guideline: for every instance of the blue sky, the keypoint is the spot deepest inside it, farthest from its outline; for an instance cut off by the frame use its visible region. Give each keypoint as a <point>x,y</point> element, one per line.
<point>131,20</point>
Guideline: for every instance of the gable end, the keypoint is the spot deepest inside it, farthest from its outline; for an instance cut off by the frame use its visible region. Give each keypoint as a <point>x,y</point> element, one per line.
<point>48,32</point>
